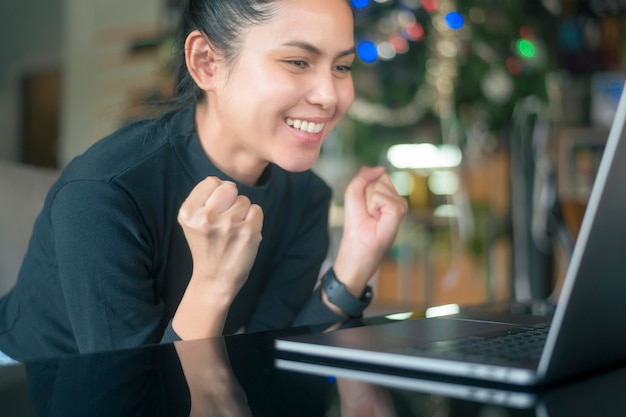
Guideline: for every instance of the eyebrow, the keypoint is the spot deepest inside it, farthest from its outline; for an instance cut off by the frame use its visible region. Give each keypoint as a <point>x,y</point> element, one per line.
<point>315,50</point>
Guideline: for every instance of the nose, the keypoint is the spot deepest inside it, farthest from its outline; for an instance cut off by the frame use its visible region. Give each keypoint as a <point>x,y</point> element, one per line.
<point>324,91</point>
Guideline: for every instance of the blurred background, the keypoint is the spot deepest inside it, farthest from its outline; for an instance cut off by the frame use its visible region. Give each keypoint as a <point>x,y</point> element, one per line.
<point>490,116</point>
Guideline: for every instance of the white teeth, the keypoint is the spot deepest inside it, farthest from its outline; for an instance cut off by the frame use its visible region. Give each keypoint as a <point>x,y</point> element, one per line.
<point>305,126</point>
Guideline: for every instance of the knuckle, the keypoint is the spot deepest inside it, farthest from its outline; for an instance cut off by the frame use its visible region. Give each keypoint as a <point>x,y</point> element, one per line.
<point>242,199</point>
<point>213,180</point>
<point>183,215</point>
<point>229,185</point>
<point>209,184</point>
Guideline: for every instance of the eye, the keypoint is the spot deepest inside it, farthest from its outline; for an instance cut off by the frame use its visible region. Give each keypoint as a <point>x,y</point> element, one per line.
<point>298,63</point>
<point>342,71</point>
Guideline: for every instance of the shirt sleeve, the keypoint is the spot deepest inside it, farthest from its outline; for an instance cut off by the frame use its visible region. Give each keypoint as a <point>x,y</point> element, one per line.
<point>104,255</point>
<point>316,312</point>
<point>170,335</point>
<point>289,298</point>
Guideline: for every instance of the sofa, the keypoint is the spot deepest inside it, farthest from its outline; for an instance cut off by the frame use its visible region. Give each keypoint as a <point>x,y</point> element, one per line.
<point>23,189</point>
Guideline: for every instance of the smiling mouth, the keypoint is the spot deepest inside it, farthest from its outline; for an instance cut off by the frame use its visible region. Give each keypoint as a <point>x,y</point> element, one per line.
<point>304,126</point>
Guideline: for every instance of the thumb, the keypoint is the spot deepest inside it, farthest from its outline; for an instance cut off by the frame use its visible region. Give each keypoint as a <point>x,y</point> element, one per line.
<point>363,177</point>
<point>355,192</point>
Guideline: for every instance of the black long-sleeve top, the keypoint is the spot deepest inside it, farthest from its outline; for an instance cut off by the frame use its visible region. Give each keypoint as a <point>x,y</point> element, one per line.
<point>107,264</point>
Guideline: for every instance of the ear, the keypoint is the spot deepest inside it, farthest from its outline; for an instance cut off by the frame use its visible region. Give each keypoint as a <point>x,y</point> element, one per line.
<point>200,59</point>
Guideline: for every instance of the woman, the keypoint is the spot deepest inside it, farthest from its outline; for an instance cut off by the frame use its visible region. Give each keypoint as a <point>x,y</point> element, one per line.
<point>208,219</point>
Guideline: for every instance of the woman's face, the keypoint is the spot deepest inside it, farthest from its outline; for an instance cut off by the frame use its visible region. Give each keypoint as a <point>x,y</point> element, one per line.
<point>287,89</point>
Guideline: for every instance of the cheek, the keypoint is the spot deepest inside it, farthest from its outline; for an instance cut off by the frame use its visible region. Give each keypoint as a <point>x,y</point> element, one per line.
<point>346,97</point>
<point>271,90</point>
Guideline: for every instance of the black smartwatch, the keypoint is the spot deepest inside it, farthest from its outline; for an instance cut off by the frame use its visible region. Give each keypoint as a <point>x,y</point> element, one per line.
<point>341,297</point>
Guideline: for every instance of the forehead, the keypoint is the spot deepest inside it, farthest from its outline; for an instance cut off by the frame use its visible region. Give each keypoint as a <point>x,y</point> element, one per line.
<point>326,24</point>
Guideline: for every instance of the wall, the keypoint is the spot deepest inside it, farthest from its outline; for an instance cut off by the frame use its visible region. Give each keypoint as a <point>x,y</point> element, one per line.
<point>100,75</point>
<point>89,41</point>
<point>30,41</point>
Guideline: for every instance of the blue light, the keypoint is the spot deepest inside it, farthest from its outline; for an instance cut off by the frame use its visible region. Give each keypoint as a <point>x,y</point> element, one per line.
<point>454,20</point>
<point>616,90</point>
<point>360,4</point>
<point>367,51</point>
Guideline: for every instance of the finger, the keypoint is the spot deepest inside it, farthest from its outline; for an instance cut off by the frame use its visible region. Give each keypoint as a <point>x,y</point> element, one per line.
<point>201,192</point>
<point>386,180</point>
<point>380,201</point>
<point>382,185</point>
<point>244,211</point>
<point>375,201</point>
<point>239,209</point>
<point>355,192</point>
<point>252,225</point>
<point>383,196</point>
<point>369,174</point>
<point>197,197</point>
<point>363,177</point>
<point>370,201</point>
<point>255,216</point>
<point>222,198</point>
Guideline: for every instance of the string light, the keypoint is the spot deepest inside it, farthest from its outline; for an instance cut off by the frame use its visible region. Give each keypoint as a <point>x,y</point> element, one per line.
<point>386,51</point>
<point>414,31</point>
<point>399,43</point>
<point>360,4</point>
<point>513,65</point>
<point>436,92</point>
<point>454,20</point>
<point>525,48</point>
<point>367,51</point>
<point>430,5</point>
<point>447,41</point>
<point>526,32</point>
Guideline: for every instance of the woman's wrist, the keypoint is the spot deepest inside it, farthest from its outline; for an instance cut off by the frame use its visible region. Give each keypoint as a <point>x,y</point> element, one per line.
<point>339,300</point>
<point>354,271</point>
<point>201,312</point>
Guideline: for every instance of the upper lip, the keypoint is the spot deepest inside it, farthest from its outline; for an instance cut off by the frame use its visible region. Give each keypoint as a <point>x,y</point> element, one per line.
<point>310,119</point>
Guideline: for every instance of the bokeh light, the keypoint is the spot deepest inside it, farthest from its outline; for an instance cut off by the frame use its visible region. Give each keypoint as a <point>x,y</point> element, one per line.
<point>386,51</point>
<point>616,89</point>
<point>454,20</point>
<point>526,48</point>
<point>513,65</point>
<point>526,32</point>
<point>367,51</point>
<point>399,43</point>
<point>430,5</point>
<point>414,31</point>
<point>360,4</point>
<point>443,182</point>
<point>477,15</point>
<point>403,181</point>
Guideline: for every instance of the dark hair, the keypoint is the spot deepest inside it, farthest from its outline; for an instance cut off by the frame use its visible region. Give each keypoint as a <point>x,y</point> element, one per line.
<point>222,22</point>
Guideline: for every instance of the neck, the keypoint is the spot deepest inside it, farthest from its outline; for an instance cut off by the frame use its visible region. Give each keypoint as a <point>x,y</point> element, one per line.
<point>225,152</point>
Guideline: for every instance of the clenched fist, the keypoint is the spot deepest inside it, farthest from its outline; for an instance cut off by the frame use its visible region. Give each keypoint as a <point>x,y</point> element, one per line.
<point>223,230</point>
<point>373,212</point>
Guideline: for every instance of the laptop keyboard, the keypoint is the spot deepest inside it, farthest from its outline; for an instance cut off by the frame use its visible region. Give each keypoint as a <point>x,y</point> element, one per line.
<point>525,343</point>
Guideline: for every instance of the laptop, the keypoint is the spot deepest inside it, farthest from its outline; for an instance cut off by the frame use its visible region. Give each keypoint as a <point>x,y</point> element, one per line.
<point>600,395</point>
<point>587,331</point>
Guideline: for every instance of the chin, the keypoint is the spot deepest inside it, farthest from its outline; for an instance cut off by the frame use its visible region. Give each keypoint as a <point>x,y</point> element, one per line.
<point>293,165</point>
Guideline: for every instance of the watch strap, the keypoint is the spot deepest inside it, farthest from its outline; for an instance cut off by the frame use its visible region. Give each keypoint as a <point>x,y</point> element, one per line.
<point>339,295</point>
